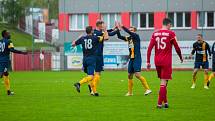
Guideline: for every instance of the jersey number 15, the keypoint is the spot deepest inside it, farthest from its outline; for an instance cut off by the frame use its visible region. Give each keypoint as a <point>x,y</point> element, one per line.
<point>161,43</point>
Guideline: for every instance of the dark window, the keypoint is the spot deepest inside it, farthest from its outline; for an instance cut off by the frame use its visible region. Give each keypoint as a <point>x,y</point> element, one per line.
<point>142,20</point>
<point>210,18</point>
<point>187,20</point>
<point>171,17</point>
<point>179,20</point>
<point>151,20</point>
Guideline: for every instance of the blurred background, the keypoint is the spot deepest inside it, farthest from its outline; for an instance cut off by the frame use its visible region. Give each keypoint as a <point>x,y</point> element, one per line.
<point>46,28</point>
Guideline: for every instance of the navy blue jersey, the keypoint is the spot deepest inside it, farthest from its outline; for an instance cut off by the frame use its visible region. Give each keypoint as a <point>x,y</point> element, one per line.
<point>202,51</point>
<point>111,32</point>
<point>133,43</point>
<point>100,47</point>
<point>89,44</point>
<point>213,52</point>
<point>5,48</point>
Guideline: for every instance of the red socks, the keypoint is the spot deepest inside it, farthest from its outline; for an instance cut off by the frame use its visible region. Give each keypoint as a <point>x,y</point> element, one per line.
<point>162,95</point>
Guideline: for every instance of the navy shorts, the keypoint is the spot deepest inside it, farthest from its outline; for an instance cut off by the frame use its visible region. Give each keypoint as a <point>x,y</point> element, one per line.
<point>204,65</point>
<point>99,63</point>
<point>134,65</point>
<point>3,67</point>
<point>89,64</point>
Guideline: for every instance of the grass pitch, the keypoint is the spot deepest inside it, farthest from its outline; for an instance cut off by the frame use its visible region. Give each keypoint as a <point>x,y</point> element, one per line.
<point>50,96</point>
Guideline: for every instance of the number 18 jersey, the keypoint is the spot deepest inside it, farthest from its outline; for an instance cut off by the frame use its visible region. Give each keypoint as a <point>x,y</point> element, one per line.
<point>163,40</point>
<point>89,44</point>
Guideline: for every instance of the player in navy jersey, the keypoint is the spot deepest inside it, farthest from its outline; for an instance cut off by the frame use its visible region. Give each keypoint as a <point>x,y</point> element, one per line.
<point>202,50</point>
<point>6,46</point>
<point>99,31</point>
<point>212,75</point>
<point>134,66</point>
<point>89,44</point>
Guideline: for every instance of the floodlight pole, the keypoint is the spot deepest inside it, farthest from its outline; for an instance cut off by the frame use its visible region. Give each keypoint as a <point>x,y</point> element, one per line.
<point>203,24</point>
<point>64,31</point>
<point>167,7</point>
<point>32,52</point>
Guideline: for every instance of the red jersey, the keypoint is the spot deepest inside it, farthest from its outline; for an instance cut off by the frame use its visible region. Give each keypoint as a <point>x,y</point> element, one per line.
<point>163,40</point>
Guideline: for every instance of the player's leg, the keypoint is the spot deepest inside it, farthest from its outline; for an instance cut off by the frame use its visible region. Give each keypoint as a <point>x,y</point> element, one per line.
<point>137,70</point>
<point>95,83</point>
<point>195,71</point>
<point>5,75</point>
<point>144,83</point>
<point>206,76</point>
<point>130,85</point>
<point>89,67</point>
<point>130,78</point>
<point>162,94</point>
<point>98,70</point>
<point>166,74</point>
<point>212,75</point>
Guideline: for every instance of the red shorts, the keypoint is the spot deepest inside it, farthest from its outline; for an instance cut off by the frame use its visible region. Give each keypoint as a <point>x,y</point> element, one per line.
<point>164,72</point>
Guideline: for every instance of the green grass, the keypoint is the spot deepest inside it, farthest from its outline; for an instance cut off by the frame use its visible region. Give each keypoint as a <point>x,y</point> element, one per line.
<point>50,96</point>
<point>21,39</point>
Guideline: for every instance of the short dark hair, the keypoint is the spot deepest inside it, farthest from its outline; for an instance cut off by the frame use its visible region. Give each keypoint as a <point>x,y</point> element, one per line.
<point>166,21</point>
<point>200,35</point>
<point>3,33</point>
<point>135,29</point>
<point>89,29</point>
<point>99,22</point>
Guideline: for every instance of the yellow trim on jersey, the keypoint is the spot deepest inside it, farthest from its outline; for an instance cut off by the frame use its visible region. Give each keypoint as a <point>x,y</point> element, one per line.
<point>203,49</point>
<point>126,38</point>
<point>132,52</point>
<point>10,45</point>
<point>101,38</point>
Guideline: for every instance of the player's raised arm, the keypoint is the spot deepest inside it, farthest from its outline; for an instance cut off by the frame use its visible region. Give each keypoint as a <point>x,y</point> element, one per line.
<point>12,49</point>
<point>128,31</point>
<point>151,45</point>
<point>105,35</point>
<point>78,41</point>
<point>121,37</point>
<point>177,48</point>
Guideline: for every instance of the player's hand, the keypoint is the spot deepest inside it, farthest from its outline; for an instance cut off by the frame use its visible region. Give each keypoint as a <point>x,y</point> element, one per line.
<point>182,60</point>
<point>190,56</point>
<point>116,25</point>
<point>73,43</point>
<point>148,65</point>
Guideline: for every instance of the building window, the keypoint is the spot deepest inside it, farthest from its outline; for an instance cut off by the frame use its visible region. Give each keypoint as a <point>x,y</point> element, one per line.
<point>78,21</point>
<point>180,20</point>
<point>110,18</point>
<point>206,20</point>
<point>142,20</point>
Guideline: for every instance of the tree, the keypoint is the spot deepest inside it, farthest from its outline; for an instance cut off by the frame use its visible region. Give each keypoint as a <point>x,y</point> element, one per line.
<point>15,9</point>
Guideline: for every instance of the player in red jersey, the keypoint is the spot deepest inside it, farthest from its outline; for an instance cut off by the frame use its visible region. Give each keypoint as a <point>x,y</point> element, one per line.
<point>163,40</point>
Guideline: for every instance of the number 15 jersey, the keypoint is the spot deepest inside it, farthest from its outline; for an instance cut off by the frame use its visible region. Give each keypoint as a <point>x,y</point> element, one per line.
<point>163,40</point>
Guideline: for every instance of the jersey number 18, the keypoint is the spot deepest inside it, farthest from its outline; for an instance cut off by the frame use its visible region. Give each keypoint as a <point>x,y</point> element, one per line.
<point>88,43</point>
